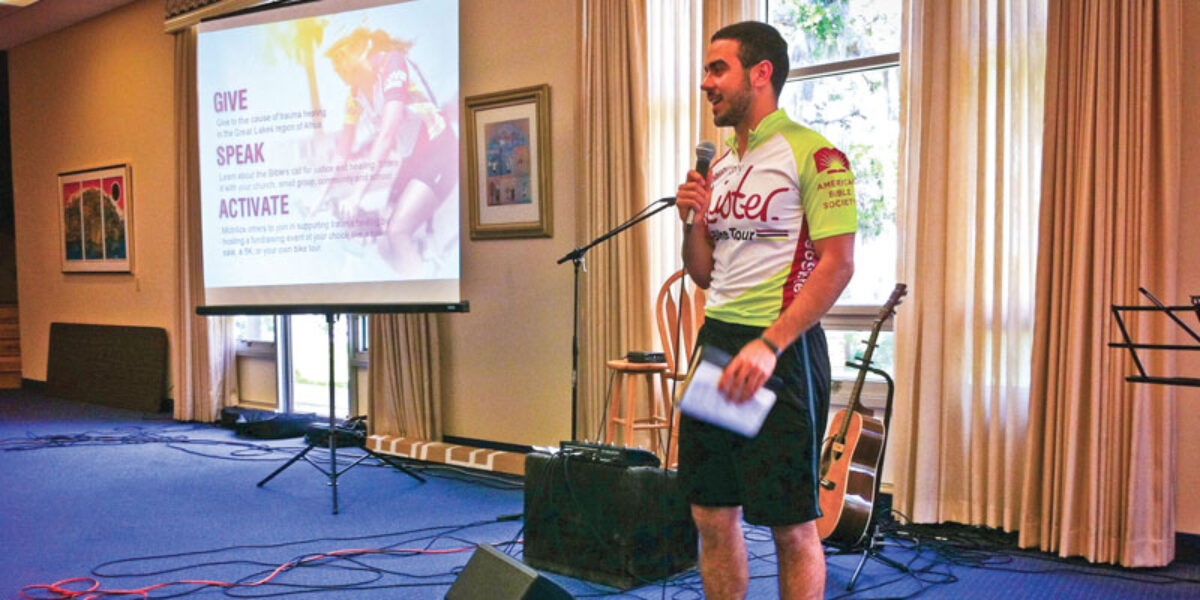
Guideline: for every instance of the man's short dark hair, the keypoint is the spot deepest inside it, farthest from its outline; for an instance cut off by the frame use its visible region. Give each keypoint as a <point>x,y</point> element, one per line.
<point>758,42</point>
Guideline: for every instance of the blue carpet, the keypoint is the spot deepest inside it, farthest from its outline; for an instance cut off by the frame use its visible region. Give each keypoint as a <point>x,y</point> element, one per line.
<point>111,498</point>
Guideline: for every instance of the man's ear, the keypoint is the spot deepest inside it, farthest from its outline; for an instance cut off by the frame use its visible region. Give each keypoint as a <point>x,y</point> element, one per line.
<point>760,74</point>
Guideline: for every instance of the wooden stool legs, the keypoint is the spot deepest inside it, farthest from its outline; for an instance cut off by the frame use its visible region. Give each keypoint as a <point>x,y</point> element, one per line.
<point>623,412</point>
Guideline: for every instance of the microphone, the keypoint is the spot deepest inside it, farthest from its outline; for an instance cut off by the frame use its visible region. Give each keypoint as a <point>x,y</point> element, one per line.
<point>705,151</point>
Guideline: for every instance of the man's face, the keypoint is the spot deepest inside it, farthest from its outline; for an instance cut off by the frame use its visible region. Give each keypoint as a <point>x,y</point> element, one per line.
<point>726,83</point>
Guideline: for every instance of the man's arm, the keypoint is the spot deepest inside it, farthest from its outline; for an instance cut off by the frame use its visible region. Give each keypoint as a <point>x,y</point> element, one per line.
<point>698,246</point>
<point>750,369</point>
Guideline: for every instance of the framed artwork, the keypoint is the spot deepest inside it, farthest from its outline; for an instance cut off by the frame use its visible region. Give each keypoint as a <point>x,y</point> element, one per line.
<point>96,217</point>
<point>508,164</point>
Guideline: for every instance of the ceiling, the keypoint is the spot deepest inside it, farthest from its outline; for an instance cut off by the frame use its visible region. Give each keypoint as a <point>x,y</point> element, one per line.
<point>20,25</point>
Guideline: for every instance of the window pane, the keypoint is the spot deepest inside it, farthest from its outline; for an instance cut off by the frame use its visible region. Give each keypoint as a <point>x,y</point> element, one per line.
<point>310,366</point>
<point>847,346</point>
<point>860,114</point>
<point>820,31</point>
<point>254,329</point>
<point>363,341</point>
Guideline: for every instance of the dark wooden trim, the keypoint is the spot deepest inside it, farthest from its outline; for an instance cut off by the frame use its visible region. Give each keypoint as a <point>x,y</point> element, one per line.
<point>462,441</point>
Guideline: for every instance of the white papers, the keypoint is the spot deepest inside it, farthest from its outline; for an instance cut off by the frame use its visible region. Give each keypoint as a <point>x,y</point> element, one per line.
<point>701,400</point>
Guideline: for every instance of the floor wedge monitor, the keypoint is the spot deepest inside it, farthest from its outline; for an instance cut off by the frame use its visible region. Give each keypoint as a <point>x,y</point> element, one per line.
<point>494,575</point>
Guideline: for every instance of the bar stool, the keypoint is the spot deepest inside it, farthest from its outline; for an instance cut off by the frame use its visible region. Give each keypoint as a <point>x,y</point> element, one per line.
<point>678,321</point>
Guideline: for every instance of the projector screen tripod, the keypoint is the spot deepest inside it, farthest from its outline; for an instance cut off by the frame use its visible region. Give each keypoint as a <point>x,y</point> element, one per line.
<point>334,432</point>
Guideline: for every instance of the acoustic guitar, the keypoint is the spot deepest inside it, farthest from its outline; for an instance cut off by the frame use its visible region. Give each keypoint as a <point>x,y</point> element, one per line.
<point>851,456</point>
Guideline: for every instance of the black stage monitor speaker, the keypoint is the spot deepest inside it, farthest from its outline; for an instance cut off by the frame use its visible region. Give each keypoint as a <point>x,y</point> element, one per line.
<point>494,575</point>
<point>619,525</point>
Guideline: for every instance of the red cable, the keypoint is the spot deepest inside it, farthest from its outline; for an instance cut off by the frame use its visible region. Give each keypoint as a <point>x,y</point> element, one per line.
<point>62,593</point>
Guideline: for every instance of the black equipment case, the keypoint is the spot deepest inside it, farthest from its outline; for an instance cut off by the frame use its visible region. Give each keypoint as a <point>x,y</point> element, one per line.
<point>618,525</point>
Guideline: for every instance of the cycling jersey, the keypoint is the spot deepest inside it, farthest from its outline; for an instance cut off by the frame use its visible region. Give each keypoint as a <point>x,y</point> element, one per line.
<point>791,187</point>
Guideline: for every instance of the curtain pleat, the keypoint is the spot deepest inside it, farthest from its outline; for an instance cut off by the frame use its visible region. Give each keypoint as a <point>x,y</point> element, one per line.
<point>403,379</point>
<point>1100,481</point>
<point>206,368</point>
<point>615,316</point>
<point>971,113</point>
<point>677,34</point>
<point>675,54</point>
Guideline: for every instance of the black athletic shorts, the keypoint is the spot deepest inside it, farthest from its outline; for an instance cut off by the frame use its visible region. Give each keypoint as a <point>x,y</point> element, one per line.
<point>773,476</point>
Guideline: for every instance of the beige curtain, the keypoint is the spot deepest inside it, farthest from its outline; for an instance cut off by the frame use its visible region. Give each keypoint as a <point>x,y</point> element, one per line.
<point>675,52</point>
<point>971,113</point>
<point>614,316</point>
<point>206,368</point>
<point>403,379</point>
<point>677,34</point>
<point>1101,462</point>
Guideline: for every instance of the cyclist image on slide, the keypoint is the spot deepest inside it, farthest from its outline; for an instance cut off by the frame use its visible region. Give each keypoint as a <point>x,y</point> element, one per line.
<point>387,100</point>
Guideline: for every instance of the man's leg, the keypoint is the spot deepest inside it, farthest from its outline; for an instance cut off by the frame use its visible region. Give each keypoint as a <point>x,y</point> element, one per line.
<point>801,561</point>
<point>723,565</point>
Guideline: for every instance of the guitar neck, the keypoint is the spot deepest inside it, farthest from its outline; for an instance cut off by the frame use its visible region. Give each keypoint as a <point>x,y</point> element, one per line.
<point>856,394</point>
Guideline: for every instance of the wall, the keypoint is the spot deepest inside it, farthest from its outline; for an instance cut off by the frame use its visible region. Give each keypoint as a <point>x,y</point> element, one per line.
<point>95,94</point>
<point>507,363</point>
<point>1187,411</point>
<point>257,382</point>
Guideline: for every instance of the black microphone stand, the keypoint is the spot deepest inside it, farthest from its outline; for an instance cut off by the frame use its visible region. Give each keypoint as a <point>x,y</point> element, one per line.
<point>576,258</point>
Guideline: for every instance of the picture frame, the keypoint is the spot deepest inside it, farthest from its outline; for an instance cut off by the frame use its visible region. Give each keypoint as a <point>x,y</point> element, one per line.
<point>95,213</point>
<point>508,164</point>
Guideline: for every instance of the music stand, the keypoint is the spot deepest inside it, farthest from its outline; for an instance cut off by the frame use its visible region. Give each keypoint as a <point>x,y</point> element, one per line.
<point>334,432</point>
<point>1133,347</point>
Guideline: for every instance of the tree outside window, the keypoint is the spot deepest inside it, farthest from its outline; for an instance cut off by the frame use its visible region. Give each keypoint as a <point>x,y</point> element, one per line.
<point>844,83</point>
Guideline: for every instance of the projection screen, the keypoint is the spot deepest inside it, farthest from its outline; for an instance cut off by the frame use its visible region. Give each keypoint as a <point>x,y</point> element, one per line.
<point>329,155</point>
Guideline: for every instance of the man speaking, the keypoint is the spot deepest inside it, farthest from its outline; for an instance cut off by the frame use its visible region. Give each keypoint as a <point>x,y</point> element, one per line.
<point>771,237</point>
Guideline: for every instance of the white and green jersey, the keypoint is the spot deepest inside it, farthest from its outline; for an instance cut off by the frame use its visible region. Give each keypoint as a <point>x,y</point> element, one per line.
<point>791,187</point>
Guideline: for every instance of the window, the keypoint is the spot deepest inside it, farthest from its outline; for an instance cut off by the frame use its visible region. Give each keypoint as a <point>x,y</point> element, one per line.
<point>283,362</point>
<point>254,329</point>
<point>844,83</point>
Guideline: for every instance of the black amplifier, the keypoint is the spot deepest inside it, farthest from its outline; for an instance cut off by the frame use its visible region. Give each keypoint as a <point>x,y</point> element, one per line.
<point>622,526</point>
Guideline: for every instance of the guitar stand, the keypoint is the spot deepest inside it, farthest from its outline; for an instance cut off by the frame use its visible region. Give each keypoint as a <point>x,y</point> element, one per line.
<point>872,548</point>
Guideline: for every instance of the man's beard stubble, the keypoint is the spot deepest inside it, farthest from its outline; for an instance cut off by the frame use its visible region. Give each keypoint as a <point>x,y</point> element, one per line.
<point>739,107</point>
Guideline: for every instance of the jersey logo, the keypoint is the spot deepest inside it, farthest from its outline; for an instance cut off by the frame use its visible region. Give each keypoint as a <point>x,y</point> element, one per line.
<point>767,234</point>
<point>803,263</point>
<point>831,160</point>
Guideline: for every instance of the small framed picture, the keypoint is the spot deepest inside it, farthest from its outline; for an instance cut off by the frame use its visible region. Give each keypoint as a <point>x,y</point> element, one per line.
<point>508,164</point>
<point>96,216</point>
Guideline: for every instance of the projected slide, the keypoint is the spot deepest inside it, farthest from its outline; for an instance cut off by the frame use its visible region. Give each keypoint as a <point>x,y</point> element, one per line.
<point>329,151</point>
